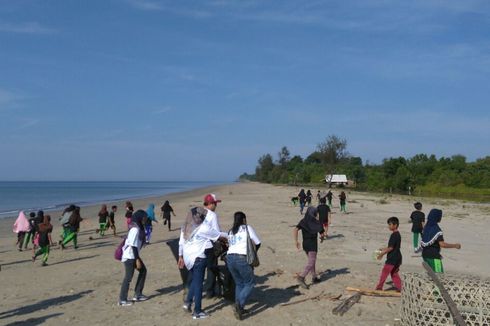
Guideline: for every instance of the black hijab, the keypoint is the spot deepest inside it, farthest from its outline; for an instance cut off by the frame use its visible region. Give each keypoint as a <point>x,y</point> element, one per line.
<point>137,220</point>
<point>310,223</point>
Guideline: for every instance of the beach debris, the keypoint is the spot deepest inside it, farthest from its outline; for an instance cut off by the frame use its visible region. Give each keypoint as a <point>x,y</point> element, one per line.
<point>458,318</point>
<point>375,293</point>
<point>318,297</point>
<point>278,272</point>
<point>271,249</point>
<point>346,304</point>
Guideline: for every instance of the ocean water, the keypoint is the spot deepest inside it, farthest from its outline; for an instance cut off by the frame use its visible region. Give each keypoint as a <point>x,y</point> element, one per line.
<point>47,195</point>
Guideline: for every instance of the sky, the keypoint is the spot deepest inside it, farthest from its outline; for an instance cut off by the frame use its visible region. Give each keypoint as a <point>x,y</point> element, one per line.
<point>199,90</point>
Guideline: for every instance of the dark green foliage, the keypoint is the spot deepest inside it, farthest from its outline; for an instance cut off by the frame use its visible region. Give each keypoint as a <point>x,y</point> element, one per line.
<point>393,174</point>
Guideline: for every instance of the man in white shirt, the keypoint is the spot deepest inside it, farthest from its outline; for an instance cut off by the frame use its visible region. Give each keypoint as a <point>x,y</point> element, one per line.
<point>211,219</point>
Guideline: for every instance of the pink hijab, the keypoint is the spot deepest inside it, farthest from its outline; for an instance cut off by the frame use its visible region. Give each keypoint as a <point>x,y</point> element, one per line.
<point>21,223</point>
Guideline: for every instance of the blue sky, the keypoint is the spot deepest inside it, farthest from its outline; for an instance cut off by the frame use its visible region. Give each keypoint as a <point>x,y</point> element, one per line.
<point>198,90</point>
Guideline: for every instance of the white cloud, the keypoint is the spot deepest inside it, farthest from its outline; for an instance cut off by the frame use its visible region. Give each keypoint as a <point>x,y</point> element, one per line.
<point>165,109</point>
<point>146,5</point>
<point>26,28</point>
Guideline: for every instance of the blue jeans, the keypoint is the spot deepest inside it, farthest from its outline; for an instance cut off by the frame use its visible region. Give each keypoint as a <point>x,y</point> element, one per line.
<point>195,290</point>
<point>243,275</point>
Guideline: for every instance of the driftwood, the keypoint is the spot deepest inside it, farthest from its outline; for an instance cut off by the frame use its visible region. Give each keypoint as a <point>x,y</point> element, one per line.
<point>317,297</point>
<point>346,304</point>
<point>458,319</point>
<point>375,293</point>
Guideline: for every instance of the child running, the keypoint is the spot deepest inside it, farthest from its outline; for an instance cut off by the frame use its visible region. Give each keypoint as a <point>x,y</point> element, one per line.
<point>343,199</point>
<point>418,221</point>
<point>310,227</point>
<point>393,258</point>
<point>112,219</point>
<point>433,241</point>
<point>151,218</point>
<point>324,215</point>
<point>44,231</point>
<point>167,210</point>
<point>21,227</point>
<point>72,228</point>
<point>103,215</point>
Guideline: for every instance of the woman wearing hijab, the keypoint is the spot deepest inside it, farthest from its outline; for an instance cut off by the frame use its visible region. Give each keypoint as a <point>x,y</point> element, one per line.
<point>21,227</point>
<point>236,261</point>
<point>132,260</point>
<point>194,236</point>
<point>310,227</point>
<point>167,210</point>
<point>149,226</point>
<point>38,220</point>
<point>44,231</point>
<point>433,241</point>
<point>129,212</point>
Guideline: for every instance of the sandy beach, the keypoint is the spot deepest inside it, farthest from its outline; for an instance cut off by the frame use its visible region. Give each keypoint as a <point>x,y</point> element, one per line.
<point>80,287</point>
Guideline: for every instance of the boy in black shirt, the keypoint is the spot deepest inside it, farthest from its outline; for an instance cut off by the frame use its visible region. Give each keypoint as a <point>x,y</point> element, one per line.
<point>323,215</point>
<point>418,221</point>
<point>393,258</point>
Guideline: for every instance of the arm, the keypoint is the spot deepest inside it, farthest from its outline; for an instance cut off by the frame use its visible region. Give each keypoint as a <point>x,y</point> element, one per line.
<point>49,238</point>
<point>384,251</point>
<point>180,262</point>
<point>295,236</point>
<point>449,245</point>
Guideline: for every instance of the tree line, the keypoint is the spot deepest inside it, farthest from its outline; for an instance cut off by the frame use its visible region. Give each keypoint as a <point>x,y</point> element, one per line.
<point>421,173</point>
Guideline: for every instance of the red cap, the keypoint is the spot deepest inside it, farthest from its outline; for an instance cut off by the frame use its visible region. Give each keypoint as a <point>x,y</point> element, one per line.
<point>211,199</point>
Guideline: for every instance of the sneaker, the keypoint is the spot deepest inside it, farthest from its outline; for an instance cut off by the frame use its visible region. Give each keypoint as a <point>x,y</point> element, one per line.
<point>237,311</point>
<point>187,307</point>
<point>302,283</point>
<point>125,303</point>
<point>200,315</point>
<point>44,263</point>
<point>316,280</point>
<point>140,297</point>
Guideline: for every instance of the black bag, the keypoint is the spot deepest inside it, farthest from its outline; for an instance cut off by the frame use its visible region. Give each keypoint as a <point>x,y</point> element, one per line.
<point>219,248</point>
<point>226,283</point>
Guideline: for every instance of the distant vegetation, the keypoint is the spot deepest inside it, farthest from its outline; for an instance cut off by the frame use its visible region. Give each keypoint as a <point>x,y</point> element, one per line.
<point>424,174</point>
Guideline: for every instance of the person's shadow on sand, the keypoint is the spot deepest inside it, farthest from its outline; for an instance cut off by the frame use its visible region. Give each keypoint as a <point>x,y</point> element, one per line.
<point>33,321</point>
<point>45,304</point>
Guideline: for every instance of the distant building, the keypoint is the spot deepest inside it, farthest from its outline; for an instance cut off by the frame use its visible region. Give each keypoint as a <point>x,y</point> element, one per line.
<point>336,179</point>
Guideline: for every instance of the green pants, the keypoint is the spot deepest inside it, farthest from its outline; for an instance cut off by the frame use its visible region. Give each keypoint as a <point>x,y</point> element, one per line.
<point>27,238</point>
<point>342,208</point>
<point>415,239</point>
<point>71,236</point>
<point>435,264</point>
<point>102,228</point>
<point>44,250</point>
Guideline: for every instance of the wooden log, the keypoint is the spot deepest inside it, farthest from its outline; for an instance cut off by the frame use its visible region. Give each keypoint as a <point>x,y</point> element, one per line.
<point>345,305</point>
<point>458,318</point>
<point>375,293</point>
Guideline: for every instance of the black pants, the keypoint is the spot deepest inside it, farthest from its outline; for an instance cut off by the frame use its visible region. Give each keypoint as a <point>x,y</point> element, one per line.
<point>129,267</point>
<point>212,273</point>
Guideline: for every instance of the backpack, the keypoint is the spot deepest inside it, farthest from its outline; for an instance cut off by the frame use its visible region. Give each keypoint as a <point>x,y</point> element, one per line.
<point>119,250</point>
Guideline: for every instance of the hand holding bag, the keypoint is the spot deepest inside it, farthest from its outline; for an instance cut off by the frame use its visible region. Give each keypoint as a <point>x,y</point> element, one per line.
<point>252,258</point>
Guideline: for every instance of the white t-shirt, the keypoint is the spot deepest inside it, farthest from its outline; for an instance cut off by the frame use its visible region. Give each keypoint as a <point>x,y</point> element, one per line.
<point>238,242</point>
<point>212,220</point>
<point>133,240</point>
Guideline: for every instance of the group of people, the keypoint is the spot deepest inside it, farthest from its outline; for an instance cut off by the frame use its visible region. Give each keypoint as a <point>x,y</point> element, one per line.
<point>304,199</point>
<point>197,254</point>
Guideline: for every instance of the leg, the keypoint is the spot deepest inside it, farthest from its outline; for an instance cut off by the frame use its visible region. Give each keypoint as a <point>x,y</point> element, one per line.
<point>435,264</point>
<point>169,224</point>
<point>69,237</point>
<point>232,265</point>
<point>397,282</point>
<point>140,282</point>
<point>310,266</point>
<point>415,240</point>
<point>384,274</point>
<point>247,279</point>
<point>129,266</point>
<point>27,238</point>
<point>212,261</point>
<point>197,279</point>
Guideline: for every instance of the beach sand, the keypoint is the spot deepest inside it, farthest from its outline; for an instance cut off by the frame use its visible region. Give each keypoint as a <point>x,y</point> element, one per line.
<point>81,287</point>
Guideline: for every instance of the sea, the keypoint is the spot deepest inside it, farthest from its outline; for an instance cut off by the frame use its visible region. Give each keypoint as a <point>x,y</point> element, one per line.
<point>53,195</point>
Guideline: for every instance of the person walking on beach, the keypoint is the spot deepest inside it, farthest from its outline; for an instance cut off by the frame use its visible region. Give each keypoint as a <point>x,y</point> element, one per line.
<point>150,212</point>
<point>393,258</point>
<point>211,219</point>
<point>73,228</point>
<point>195,236</point>
<point>38,220</point>
<point>433,241</point>
<point>64,221</point>
<point>129,212</point>
<point>131,259</point>
<point>418,220</point>
<point>103,223</point>
<point>167,210</point>
<point>21,227</point>
<point>329,196</point>
<point>112,219</point>
<point>236,259</point>
<point>324,215</point>
<point>310,227</point>
<point>318,197</point>
<point>343,199</point>
<point>309,196</point>
<point>302,200</point>
<point>44,231</point>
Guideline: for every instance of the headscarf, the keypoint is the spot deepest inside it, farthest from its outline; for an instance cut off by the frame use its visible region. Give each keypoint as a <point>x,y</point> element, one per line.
<point>302,194</point>
<point>137,221</point>
<point>21,223</point>
<point>310,223</point>
<point>432,231</point>
<point>151,212</point>
<point>193,220</point>
<point>166,205</point>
